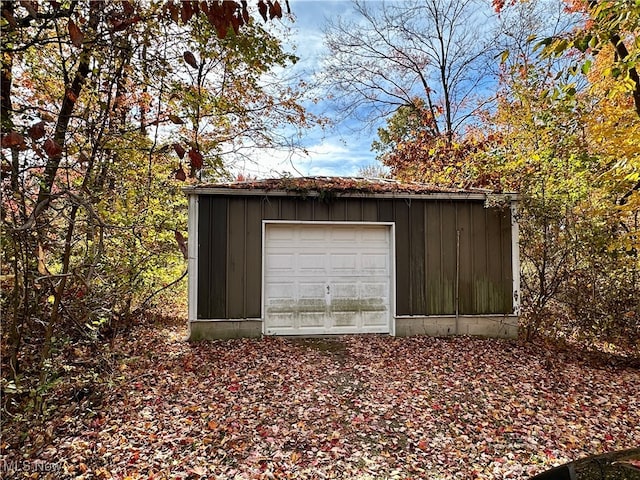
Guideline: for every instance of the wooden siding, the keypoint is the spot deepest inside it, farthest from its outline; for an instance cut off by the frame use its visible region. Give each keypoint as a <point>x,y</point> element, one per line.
<point>212,258</point>
<point>429,236</point>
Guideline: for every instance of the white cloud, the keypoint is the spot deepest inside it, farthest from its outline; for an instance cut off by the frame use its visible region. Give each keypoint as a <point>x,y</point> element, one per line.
<point>328,157</point>
<point>337,152</point>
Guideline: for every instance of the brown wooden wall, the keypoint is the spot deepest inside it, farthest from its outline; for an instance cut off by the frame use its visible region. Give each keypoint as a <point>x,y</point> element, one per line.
<point>230,249</point>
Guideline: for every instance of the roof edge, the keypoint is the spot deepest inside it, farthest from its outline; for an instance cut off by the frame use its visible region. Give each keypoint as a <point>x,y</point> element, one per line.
<point>194,190</point>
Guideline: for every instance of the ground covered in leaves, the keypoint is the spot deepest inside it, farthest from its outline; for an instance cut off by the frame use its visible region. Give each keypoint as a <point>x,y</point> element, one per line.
<point>358,407</point>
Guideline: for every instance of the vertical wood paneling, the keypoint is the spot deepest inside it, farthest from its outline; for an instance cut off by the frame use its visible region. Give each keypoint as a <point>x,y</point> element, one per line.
<point>418,237</point>
<point>338,209</point>
<point>369,210</point>
<point>354,210</point>
<point>480,290</point>
<point>230,249</point>
<point>385,211</point>
<point>403,252</point>
<point>433,260</point>
<point>465,225</point>
<point>212,255</point>
<point>507,272</point>
<point>253,262</point>
<point>288,210</point>
<point>236,268</point>
<point>304,210</point>
<point>270,208</point>
<point>448,251</point>
<point>494,273</point>
<point>320,210</point>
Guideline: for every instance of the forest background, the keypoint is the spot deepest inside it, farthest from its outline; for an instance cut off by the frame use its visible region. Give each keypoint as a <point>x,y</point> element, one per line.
<point>110,108</point>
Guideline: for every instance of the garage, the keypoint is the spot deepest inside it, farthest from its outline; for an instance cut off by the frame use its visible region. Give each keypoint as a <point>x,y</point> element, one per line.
<point>303,256</point>
<point>327,278</point>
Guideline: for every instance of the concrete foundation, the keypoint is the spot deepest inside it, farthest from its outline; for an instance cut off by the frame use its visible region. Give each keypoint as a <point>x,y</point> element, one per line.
<point>495,326</point>
<point>224,329</point>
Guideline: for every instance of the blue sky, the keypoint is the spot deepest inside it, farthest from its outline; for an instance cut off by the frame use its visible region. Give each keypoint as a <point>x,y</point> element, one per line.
<point>346,148</point>
<point>342,150</point>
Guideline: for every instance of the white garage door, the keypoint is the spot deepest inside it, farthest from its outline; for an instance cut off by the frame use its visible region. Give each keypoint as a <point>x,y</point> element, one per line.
<point>327,279</point>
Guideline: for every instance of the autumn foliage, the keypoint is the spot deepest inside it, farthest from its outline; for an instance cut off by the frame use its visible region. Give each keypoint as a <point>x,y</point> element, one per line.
<point>565,136</point>
<point>107,107</point>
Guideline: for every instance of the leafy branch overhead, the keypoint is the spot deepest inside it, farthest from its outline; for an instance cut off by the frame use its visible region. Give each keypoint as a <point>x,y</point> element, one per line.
<point>609,23</point>
<point>223,15</point>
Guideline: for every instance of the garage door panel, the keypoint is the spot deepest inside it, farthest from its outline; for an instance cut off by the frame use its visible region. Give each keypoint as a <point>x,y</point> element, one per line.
<point>344,290</point>
<point>311,264</point>
<point>311,305</point>
<point>279,291</point>
<point>311,290</point>
<point>374,319</point>
<point>375,263</point>
<point>280,233</point>
<point>341,262</point>
<point>343,235</point>
<point>346,319</point>
<point>377,291</point>
<point>314,233</point>
<point>280,320</point>
<point>312,319</point>
<point>330,279</point>
<point>281,263</point>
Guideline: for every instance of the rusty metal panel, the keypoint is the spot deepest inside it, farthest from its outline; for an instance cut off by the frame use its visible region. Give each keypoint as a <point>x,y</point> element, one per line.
<point>212,255</point>
<point>403,257</point>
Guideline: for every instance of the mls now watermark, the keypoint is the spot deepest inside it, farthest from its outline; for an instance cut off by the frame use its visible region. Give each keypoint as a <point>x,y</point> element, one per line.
<point>29,466</point>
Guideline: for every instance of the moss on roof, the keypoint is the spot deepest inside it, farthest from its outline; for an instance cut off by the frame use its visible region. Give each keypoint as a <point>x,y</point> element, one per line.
<point>339,185</point>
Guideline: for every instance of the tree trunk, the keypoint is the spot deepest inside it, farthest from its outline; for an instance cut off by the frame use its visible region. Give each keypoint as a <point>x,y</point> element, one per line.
<point>68,104</point>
